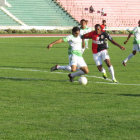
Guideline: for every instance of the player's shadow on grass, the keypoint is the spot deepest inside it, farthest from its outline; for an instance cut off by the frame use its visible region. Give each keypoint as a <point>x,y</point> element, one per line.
<point>17,67</point>
<point>22,79</point>
<point>131,95</point>
<point>98,93</point>
<point>30,79</point>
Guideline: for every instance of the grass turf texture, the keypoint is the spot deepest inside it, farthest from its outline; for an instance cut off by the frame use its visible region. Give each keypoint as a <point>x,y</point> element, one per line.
<point>37,105</point>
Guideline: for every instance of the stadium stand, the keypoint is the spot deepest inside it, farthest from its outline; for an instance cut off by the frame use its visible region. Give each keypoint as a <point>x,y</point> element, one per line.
<point>40,13</point>
<point>5,20</point>
<point>119,13</point>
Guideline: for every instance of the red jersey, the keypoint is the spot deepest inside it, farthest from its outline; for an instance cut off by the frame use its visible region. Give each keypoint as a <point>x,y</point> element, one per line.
<point>103,28</point>
<point>98,40</point>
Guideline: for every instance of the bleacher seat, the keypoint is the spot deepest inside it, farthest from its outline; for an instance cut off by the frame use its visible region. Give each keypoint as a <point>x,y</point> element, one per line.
<point>5,20</point>
<point>118,11</point>
<point>40,13</point>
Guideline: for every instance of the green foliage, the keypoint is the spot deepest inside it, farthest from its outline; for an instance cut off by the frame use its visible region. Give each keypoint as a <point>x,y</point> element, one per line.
<point>56,31</point>
<point>36,104</point>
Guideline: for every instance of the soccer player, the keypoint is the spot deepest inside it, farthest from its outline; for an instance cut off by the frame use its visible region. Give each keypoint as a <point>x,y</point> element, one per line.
<point>99,49</point>
<point>103,26</point>
<point>83,30</point>
<point>75,53</point>
<point>136,42</point>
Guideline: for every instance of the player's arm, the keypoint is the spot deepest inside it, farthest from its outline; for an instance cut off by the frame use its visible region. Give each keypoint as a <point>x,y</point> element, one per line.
<point>113,42</point>
<point>55,42</point>
<point>118,45</point>
<point>83,43</point>
<point>128,38</point>
<point>87,36</point>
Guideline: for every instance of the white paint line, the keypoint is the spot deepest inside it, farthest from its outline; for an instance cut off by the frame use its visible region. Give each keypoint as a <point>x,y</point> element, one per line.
<point>98,77</point>
<point>34,70</point>
<point>118,84</point>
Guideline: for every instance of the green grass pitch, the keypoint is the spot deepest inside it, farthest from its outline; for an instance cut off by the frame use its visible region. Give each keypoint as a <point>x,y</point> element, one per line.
<point>36,104</point>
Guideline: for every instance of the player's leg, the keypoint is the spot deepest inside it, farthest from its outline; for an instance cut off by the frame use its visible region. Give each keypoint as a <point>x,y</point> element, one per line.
<point>106,58</point>
<point>58,67</point>
<point>54,68</point>
<point>98,60</point>
<point>82,65</point>
<point>135,49</point>
<point>67,68</point>
<point>102,70</point>
<point>83,70</point>
<point>111,70</point>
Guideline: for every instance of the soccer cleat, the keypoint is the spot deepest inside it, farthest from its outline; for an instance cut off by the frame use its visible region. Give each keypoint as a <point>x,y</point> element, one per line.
<point>54,68</point>
<point>70,77</point>
<point>105,76</point>
<point>114,81</point>
<point>124,63</point>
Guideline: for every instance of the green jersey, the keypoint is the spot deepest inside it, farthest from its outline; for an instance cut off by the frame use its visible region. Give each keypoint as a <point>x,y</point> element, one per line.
<point>75,45</point>
<point>136,32</point>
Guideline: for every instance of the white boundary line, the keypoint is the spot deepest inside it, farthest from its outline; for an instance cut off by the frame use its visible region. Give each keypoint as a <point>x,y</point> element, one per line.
<point>118,84</point>
<point>34,70</point>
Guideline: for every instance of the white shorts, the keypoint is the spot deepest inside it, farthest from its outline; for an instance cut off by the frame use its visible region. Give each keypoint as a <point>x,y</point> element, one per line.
<point>136,47</point>
<point>102,55</point>
<point>77,61</point>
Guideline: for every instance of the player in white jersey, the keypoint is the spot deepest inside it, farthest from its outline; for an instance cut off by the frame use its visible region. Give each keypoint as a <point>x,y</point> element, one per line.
<point>83,30</point>
<point>75,53</point>
<point>136,42</point>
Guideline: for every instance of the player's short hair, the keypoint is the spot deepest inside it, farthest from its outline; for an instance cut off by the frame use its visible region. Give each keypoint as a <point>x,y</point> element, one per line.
<point>103,21</point>
<point>75,29</point>
<point>97,25</point>
<point>83,20</point>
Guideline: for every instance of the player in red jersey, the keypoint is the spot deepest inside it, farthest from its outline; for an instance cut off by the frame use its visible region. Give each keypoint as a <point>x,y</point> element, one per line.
<point>99,49</point>
<point>103,26</point>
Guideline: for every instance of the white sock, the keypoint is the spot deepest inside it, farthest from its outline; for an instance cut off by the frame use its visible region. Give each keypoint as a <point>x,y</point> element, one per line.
<point>129,57</point>
<point>68,68</point>
<point>111,70</point>
<point>103,71</point>
<point>78,73</point>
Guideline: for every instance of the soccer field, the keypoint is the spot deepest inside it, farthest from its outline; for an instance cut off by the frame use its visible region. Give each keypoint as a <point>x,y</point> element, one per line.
<point>37,104</point>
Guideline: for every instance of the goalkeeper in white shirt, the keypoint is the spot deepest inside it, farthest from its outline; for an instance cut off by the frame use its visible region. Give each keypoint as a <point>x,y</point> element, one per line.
<point>75,54</point>
<point>136,42</point>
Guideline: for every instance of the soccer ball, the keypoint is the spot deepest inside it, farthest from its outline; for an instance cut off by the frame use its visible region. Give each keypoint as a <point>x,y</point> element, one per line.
<point>83,80</point>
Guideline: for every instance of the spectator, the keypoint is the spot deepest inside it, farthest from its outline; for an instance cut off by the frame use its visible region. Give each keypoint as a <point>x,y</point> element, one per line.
<point>91,10</point>
<point>102,12</point>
